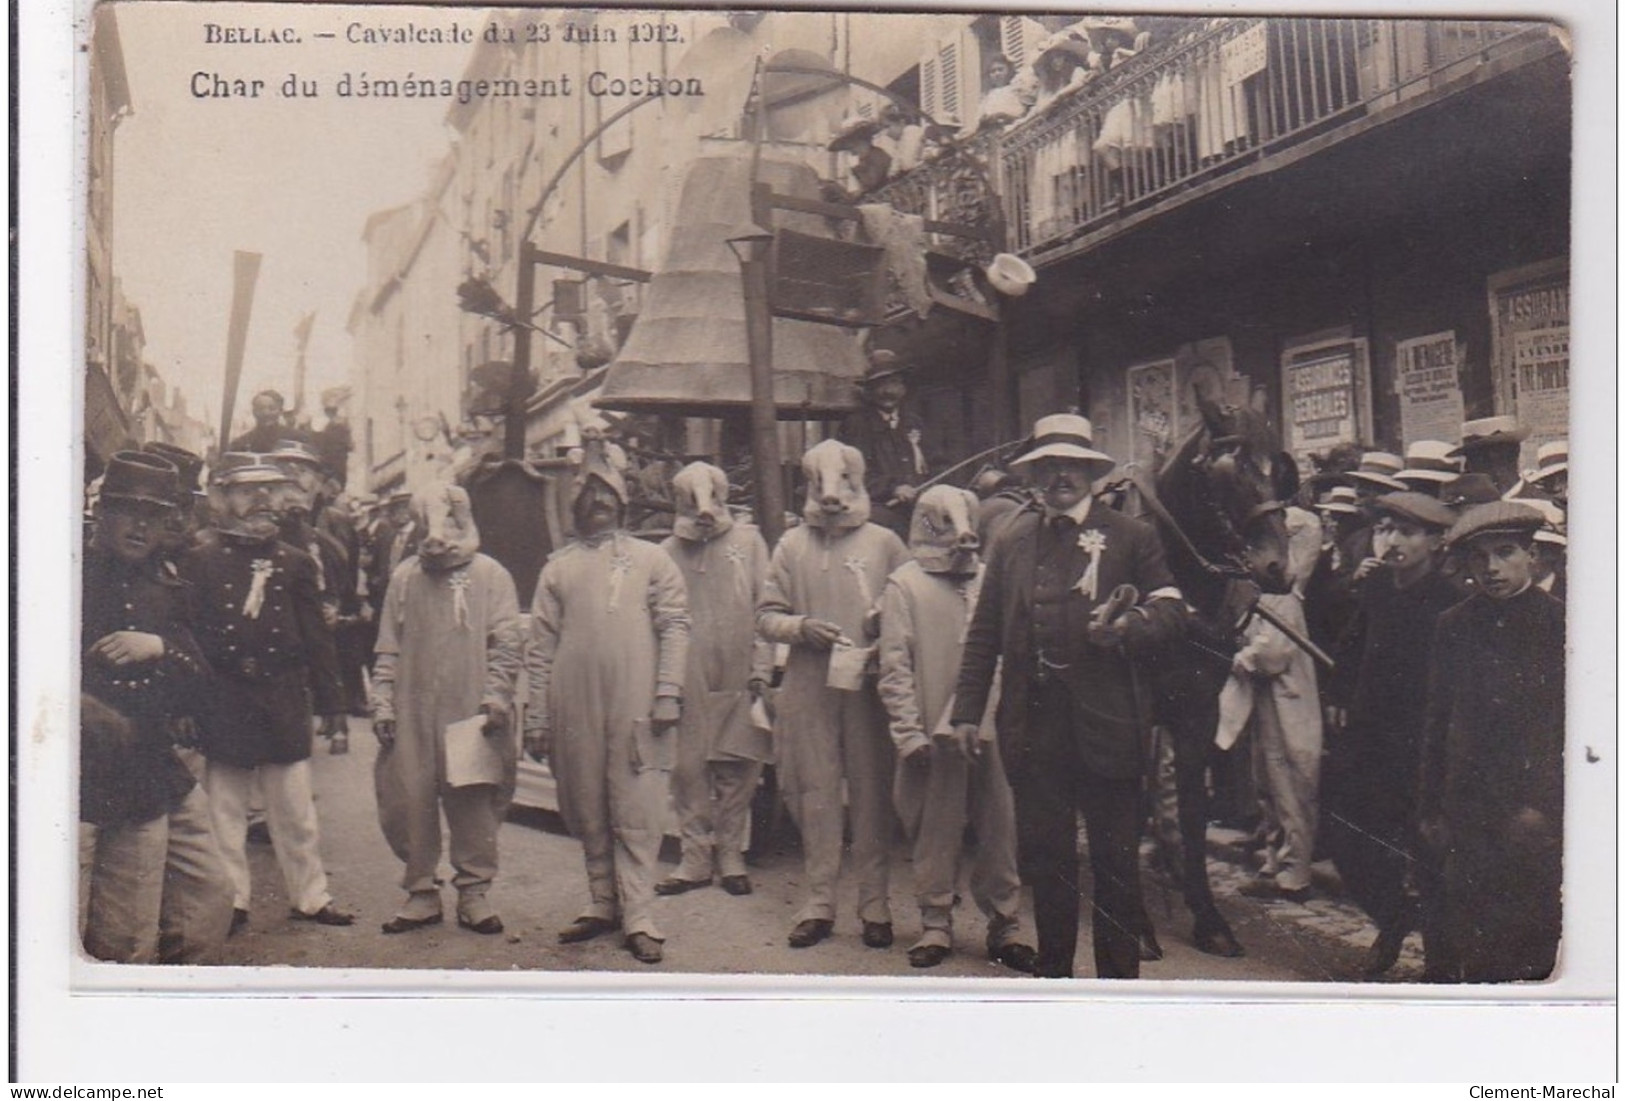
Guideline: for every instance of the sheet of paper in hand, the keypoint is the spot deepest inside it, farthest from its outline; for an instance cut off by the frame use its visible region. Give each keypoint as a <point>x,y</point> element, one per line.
<point>471,756</point>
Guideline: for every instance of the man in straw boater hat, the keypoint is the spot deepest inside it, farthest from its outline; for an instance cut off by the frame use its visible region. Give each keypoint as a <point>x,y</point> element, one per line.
<point>1074,593</point>
<point>138,901</point>
<point>1490,445</point>
<point>890,436</point>
<point>260,624</point>
<point>823,584</point>
<point>1491,801</point>
<point>1430,465</point>
<point>1369,788</point>
<point>607,660</point>
<point>1550,478</point>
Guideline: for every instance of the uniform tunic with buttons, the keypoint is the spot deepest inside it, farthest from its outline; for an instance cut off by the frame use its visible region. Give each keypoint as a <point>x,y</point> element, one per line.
<point>271,665</point>
<point>121,784</point>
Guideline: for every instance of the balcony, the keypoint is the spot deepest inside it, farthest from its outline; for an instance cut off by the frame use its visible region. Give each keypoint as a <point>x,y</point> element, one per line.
<point>1223,95</point>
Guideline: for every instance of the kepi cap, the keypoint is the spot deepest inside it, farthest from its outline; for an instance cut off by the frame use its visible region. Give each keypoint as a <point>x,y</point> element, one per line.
<point>140,476</point>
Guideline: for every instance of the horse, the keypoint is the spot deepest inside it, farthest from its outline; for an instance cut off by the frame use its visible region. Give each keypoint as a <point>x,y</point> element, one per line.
<point>1217,505</point>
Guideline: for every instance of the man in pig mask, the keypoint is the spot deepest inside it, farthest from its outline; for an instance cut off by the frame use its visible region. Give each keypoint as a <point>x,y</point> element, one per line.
<point>448,649</point>
<point>607,656</point>
<point>941,782</point>
<point>720,751</point>
<point>823,585</point>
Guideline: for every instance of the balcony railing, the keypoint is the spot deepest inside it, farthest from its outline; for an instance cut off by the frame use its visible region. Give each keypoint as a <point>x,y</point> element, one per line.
<point>1225,93</point>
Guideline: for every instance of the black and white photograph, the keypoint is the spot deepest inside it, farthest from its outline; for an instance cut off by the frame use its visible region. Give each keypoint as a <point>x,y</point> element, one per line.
<point>910,502</point>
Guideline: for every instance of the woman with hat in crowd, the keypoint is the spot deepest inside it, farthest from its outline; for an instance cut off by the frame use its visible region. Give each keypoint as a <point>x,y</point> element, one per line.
<point>1370,778</point>
<point>1491,800</point>
<point>871,165</point>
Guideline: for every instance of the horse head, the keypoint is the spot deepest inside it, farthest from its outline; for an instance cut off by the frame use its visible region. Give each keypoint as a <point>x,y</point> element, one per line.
<point>1235,479</point>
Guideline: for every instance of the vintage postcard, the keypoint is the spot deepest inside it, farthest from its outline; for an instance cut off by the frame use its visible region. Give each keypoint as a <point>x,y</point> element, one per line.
<point>684,499</point>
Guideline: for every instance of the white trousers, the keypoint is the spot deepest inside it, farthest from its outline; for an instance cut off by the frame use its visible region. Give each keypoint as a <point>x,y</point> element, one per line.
<point>290,812</point>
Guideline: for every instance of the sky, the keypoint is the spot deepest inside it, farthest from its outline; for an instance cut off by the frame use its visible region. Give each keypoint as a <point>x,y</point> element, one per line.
<point>293,179</point>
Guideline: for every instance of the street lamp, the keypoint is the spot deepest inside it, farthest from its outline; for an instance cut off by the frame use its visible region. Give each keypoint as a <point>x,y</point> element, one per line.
<point>752,249</point>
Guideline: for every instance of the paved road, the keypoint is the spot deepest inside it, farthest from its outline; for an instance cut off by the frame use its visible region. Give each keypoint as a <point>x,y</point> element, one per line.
<point>542,886</point>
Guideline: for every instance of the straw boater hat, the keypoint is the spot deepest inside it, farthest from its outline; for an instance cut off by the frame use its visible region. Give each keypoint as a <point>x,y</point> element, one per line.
<point>1552,458</point>
<point>1064,436</point>
<point>141,478</point>
<point>246,468</point>
<point>852,129</point>
<point>1553,530</point>
<point>1488,431</point>
<point>1380,468</point>
<point>1430,461</point>
<point>1063,42</point>
<point>1417,507</point>
<point>1495,518</point>
<point>1341,499</point>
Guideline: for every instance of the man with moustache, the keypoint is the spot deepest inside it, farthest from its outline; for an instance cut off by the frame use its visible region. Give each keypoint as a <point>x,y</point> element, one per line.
<point>606,663</point>
<point>260,624</point>
<point>1074,593</point>
<point>890,438</point>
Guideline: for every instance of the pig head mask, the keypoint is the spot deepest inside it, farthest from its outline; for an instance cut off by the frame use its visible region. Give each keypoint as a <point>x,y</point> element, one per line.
<point>447,519</point>
<point>700,491</point>
<point>942,535</point>
<point>836,497</point>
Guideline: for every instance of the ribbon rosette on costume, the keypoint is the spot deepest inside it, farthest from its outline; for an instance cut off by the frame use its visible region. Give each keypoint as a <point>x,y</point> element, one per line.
<point>619,567</point>
<point>460,582</point>
<point>1093,543</point>
<point>262,569</point>
<point>856,567</point>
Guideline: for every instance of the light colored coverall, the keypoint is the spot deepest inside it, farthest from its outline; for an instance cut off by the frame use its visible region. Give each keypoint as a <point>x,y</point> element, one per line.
<point>832,568</point>
<point>922,635</point>
<point>448,642</point>
<point>719,752</point>
<point>609,627</point>
<point>1278,693</point>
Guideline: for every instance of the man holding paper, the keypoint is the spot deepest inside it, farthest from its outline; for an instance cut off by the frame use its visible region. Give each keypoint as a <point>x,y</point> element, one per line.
<point>448,652</point>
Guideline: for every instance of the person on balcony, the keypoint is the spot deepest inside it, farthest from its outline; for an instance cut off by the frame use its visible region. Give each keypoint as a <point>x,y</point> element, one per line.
<point>872,165</point>
<point>1003,101</point>
<point>901,138</point>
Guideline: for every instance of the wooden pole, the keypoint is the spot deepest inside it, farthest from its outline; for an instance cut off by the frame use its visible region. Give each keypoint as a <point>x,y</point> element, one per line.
<point>764,422</point>
<point>520,387</point>
<point>245,273</point>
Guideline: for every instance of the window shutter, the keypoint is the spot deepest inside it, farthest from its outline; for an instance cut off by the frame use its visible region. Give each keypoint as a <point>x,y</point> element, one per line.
<point>930,86</point>
<point>1019,36</point>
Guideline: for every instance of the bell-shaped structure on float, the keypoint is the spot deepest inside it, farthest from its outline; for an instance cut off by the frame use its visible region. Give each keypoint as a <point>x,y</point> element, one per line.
<point>687,354</point>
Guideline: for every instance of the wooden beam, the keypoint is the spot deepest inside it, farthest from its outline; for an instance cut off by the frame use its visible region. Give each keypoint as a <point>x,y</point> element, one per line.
<point>590,267</point>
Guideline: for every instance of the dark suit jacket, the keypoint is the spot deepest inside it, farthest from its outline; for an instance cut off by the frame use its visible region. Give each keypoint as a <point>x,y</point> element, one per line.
<point>1108,711</point>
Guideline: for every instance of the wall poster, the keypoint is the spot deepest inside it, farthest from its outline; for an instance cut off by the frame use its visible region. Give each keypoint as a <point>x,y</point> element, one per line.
<point>1327,390</point>
<point>1427,378</point>
<point>1529,334</point>
<point>1153,413</point>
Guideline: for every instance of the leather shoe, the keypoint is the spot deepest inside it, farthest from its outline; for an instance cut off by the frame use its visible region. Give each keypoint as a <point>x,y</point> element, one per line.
<point>1150,950</point>
<point>585,928</point>
<point>1269,890</point>
<point>327,915</point>
<point>736,884</point>
<point>338,745</point>
<point>400,923</point>
<point>644,948</point>
<point>1016,956</point>
<point>810,932</point>
<point>239,922</point>
<point>672,885</point>
<point>487,926</point>
<point>877,934</point>
<point>927,955</point>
